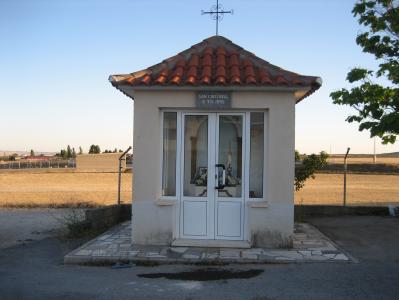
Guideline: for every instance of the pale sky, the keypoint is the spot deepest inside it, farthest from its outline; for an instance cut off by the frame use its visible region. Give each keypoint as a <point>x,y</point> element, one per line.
<point>55,58</point>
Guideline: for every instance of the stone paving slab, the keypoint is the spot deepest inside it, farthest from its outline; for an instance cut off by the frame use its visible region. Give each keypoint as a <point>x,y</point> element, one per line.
<point>309,245</point>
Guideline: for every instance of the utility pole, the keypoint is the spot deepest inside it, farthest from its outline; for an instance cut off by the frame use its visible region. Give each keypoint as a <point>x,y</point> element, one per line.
<point>345,169</point>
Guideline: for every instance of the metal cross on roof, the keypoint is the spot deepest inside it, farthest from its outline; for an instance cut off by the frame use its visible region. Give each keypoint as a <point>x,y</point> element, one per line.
<point>216,12</point>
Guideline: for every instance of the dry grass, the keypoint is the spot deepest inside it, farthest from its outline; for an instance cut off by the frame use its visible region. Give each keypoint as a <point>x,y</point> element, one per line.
<point>361,189</point>
<point>364,160</point>
<point>25,189</point>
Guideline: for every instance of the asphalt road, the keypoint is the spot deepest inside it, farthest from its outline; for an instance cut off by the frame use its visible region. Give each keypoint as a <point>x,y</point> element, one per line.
<point>35,271</point>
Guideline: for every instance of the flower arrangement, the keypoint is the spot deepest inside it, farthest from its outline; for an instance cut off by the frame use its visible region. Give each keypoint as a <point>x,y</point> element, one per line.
<point>201,177</point>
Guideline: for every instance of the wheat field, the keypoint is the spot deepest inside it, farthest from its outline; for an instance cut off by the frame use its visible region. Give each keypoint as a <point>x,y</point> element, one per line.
<point>62,189</point>
<point>57,189</point>
<point>362,189</point>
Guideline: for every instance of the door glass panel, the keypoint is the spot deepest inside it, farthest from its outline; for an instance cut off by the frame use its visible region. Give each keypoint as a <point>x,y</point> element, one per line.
<point>230,155</point>
<point>195,155</point>
<point>169,154</point>
<point>256,155</point>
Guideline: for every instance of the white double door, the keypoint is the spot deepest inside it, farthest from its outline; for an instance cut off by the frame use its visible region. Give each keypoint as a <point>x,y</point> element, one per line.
<point>212,176</point>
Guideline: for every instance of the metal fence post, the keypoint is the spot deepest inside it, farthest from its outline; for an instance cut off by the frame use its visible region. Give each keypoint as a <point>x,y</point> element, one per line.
<point>120,173</point>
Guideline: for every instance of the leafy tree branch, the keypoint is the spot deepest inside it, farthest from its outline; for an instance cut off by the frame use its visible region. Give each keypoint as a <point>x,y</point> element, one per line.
<point>376,105</point>
<point>306,167</point>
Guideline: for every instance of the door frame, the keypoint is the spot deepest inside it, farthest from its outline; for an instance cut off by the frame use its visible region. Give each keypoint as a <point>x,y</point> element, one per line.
<point>212,199</point>
<point>176,200</point>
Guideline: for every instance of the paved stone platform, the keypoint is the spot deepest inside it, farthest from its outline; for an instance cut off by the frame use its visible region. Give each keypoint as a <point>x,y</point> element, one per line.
<point>309,245</point>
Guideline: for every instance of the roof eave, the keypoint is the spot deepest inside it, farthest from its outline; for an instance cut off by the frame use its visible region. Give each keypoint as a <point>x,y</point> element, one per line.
<point>115,84</point>
<point>314,87</point>
<point>300,92</point>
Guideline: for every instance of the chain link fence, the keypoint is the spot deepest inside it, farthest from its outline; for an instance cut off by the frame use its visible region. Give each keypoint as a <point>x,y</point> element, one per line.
<point>368,183</point>
<point>67,182</point>
<point>42,164</point>
<point>126,187</point>
<point>125,181</point>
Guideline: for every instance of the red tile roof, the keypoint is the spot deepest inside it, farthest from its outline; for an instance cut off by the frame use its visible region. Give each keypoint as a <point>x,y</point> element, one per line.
<point>217,61</point>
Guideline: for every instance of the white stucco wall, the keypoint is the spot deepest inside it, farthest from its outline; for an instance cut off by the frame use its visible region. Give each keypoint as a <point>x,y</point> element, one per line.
<point>270,226</point>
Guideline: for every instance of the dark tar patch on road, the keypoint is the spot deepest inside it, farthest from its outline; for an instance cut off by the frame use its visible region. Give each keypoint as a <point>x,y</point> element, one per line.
<point>207,274</point>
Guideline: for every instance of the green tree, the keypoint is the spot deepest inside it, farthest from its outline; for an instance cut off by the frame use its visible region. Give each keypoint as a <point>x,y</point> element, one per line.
<point>376,105</point>
<point>69,151</point>
<point>94,149</point>
<point>80,150</point>
<point>63,153</point>
<point>32,153</point>
<point>306,167</point>
<point>297,156</point>
<point>73,153</point>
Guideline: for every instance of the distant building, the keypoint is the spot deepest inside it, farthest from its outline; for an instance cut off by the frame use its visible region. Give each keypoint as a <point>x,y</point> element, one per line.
<point>104,162</point>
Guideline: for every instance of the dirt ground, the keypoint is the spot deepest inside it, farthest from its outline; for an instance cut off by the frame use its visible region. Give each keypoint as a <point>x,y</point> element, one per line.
<point>26,188</point>
<point>23,226</point>
<point>362,189</point>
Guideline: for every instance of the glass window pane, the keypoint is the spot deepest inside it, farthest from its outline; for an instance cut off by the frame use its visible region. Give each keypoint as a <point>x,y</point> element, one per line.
<point>195,155</point>
<point>256,155</point>
<point>230,155</point>
<point>169,154</point>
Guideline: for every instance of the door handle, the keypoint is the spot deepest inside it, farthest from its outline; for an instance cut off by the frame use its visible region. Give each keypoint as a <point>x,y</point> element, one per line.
<point>223,184</point>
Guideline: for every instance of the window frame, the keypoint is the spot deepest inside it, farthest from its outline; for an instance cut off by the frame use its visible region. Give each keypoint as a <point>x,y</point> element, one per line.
<point>177,160</point>
<point>248,156</point>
